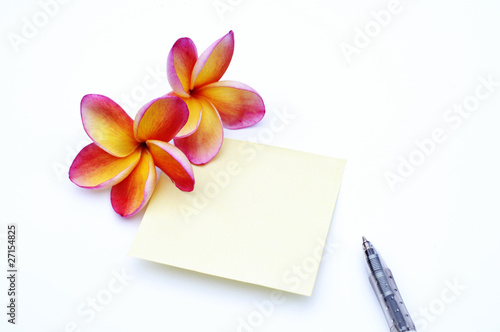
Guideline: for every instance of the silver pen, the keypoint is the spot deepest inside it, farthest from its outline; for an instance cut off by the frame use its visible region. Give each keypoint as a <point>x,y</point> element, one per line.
<point>388,295</point>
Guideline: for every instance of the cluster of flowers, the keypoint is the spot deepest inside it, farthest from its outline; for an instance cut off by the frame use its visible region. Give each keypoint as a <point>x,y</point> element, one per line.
<point>125,152</point>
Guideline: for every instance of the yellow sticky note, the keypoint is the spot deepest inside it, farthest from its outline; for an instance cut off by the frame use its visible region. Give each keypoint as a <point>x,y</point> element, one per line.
<point>258,214</point>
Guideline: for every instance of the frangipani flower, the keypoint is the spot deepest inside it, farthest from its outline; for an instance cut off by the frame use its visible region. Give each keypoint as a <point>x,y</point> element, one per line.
<point>212,104</point>
<point>124,152</point>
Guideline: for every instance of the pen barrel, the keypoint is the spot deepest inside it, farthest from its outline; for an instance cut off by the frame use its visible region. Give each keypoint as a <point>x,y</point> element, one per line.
<point>377,270</point>
<point>390,299</point>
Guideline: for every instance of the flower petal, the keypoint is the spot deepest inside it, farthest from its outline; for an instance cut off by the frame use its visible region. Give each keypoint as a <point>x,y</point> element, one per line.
<point>204,144</point>
<point>180,63</point>
<point>174,163</point>
<point>239,105</point>
<point>160,119</point>
<point>108,125</point>
<point>94,168</point>
<point>133,193</point>
<point>194,119</point>
<point>212,63</point>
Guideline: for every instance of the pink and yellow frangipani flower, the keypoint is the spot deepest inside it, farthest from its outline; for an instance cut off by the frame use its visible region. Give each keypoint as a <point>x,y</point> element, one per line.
<point>212,103</point>
<point>124,152</point>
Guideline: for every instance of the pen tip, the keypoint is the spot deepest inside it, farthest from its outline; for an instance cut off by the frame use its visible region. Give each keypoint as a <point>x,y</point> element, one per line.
<point>364,239</point>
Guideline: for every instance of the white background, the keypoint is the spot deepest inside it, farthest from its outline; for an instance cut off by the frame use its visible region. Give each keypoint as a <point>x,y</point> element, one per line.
<point>437,229</point>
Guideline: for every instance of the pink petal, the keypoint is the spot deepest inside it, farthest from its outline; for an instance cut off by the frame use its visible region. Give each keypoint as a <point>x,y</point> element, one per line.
<point>204,144</point>
<point>173,163</point>
<point>212,63</point>
<point>239,105</point>
<point>161,119</point>
<point>108,125</point>
<point>133,193</point>
<point>94,168</point>
<point>194,119</point>
<point>180,63</point>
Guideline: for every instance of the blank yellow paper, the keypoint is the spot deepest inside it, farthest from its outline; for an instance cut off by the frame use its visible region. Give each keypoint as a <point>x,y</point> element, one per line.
<point>258,214</point>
